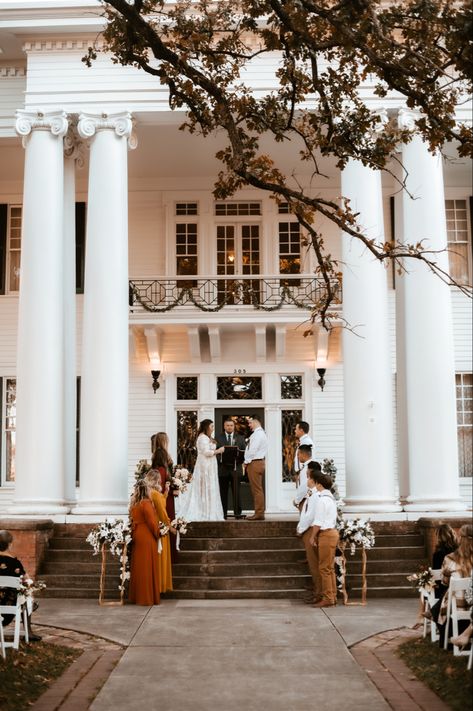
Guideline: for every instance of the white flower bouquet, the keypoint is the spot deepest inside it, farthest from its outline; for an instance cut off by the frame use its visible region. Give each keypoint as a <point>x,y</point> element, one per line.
<point>27,590</point>
<point>180,524</point>
<point>356,533</point>
<point>141,468</point>
<point>180,479</point>
<point>113,532</point>
<point>422,580</point>
<point>163,529</point>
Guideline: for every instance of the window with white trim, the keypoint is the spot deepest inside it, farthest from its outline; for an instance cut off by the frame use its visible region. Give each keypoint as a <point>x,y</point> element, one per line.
<point>14,248</point>
<point>459,240</point>
<point>464,383</point>
<point>186,250</point>
<point>289,248</point>
<point>8,448</point>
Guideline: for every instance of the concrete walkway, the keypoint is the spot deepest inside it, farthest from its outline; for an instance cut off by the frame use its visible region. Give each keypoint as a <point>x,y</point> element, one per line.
<point>265,655</point>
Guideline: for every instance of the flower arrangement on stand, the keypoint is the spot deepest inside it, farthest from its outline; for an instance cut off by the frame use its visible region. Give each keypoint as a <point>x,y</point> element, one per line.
<point>180,480</point>
<point>180,524</point>
<point>423,579</point>
<point>355,533</point>
<point>27,590</point>
<point>114,534</point>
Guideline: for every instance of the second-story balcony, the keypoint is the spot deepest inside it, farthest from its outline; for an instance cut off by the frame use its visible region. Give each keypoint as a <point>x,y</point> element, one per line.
<point>213,293</point>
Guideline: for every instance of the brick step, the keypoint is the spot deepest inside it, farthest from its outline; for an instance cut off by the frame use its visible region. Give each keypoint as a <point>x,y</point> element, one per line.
<point>268,555</point>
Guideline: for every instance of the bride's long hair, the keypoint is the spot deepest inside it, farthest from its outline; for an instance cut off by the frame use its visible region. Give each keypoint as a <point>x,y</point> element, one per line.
<point>204,428</point>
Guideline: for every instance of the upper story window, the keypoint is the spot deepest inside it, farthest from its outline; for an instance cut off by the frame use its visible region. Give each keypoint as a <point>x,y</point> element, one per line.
<point>464,382</point>
<point>13,248</point>
<point>289,248</point>
<point>186,208</point>
<point>232,209</point>
<point>283,208</point>
<point>459,240</point>
<point>186,249</point>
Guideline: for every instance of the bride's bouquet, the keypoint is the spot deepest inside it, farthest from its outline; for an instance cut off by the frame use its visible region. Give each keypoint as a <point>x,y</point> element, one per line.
<point>180,479</point>
<point>180,524</point>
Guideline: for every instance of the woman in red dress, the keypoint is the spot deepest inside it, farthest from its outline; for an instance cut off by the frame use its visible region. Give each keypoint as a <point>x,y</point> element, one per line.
<point>144,568</point>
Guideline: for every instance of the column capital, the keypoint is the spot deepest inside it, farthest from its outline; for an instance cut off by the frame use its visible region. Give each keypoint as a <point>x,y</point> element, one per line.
<point>74,146</point>
<point>54,121</point>
<point>121,123</point>
<point>407,118</point>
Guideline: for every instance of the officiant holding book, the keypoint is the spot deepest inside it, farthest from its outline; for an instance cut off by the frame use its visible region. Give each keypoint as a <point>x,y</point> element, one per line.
<point>230,465</point>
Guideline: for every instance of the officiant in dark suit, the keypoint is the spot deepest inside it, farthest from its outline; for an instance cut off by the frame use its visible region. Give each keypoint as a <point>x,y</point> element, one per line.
<point>230,465</point>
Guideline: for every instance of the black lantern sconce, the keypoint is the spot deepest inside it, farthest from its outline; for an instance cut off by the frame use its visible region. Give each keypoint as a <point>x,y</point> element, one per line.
<point>155,375</point>
<point>321,381</point>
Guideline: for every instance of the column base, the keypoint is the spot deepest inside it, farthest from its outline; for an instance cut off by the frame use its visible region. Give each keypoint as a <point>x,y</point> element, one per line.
<point>433,504</point>
<point>38,508</point>
<point>100,508</point>
<point>367,506</point>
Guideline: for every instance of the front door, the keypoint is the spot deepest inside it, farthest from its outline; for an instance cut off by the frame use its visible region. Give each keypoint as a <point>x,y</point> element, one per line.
<point>238,254</point>
<point>240,416</point>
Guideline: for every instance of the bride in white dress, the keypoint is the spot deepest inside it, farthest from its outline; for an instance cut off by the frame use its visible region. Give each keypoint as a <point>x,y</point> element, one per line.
<point>201,501</point>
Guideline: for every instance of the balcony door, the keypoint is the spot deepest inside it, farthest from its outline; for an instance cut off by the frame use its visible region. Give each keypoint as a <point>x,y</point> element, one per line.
<point>238,255</point>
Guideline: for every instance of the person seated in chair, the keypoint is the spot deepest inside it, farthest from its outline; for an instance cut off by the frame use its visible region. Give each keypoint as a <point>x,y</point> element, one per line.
<point>10,566</point>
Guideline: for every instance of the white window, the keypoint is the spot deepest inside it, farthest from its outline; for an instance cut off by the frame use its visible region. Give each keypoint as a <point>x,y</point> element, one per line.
<point>14,248</point>
<point>8,448</point>
<point>237,209</point>
<point>464,383</point>
<point>186,249</point>
<point>289,248</point>
<point>459,240</point>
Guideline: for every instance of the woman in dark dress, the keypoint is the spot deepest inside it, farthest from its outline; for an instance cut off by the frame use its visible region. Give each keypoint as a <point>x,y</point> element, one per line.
<point>162,462</point>
<point>12,567</point>
<point>446,543</point>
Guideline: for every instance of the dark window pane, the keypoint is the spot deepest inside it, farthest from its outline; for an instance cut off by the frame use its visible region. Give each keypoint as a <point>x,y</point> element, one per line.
<point>291,387</point>
<point>239,388</point>
<point>187,388</point>
<point>289,441</point>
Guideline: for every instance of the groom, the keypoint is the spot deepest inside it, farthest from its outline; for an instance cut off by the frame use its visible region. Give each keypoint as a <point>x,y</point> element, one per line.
<point>229,466</point>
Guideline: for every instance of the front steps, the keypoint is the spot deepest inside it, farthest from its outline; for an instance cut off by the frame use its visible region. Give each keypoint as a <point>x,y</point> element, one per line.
<point>237,559</point>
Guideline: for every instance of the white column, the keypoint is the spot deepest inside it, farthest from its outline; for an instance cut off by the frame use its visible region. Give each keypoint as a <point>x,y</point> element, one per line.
<point>368,378</point>
<point>273,464</point>
<point>428,337</point>
<point>73,148</point>
<point>104,371</point>
<point>39,450</point>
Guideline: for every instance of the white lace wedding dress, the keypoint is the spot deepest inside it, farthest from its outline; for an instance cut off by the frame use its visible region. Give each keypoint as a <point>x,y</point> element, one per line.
<point>201,501</point>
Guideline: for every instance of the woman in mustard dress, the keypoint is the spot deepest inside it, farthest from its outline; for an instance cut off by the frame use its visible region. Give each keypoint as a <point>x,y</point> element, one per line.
<point>153,479</point>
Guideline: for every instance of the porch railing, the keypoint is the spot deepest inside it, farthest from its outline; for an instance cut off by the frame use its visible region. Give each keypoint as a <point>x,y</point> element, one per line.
<point>266,293</point>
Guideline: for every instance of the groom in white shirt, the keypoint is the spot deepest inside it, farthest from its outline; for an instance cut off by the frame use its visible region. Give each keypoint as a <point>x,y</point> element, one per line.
<point>255,457</point>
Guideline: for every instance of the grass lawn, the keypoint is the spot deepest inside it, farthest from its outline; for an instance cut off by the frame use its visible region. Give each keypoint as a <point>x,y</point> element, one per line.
<point>27,673</point>
<point>445,674</point>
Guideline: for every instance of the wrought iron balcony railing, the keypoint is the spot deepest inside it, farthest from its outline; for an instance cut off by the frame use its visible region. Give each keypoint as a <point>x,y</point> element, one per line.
<point>266,293</point>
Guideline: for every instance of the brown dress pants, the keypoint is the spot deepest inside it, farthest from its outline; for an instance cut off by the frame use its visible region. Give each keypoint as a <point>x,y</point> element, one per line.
<point>255,471</point>
<point>325,553</point>
<point>312,560</point>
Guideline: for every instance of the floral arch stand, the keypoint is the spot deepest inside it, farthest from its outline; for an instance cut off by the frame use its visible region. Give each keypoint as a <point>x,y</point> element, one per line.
<point>354,534</point>
<point>113,535</point>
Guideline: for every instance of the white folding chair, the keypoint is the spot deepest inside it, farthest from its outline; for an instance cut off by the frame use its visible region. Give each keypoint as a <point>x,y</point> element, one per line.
<point>427,601</point>
<point>470,658</point>
<point>3,650</point>
<point>455,613</point>
<point>18,610</point>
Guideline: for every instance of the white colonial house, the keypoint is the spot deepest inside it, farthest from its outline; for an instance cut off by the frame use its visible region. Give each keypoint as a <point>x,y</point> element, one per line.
<point>120,272</point>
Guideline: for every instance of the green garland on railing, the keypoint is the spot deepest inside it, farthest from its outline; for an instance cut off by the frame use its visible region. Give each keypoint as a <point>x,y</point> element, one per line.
<point>186,295</point>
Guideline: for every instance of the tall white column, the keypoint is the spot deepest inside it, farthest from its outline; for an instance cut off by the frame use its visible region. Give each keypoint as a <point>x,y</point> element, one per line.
<point>73,152</point>
<point>39,451</point>
<point>368,377</point>
<point>428,337</point>
<point>104,371</point>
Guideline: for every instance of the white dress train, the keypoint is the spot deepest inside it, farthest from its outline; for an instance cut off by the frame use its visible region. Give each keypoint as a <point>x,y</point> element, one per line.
<point>201,501</point>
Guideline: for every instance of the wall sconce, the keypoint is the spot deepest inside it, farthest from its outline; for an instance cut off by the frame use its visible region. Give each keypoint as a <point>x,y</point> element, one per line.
<point>321,381</point>
<point>155,375</point>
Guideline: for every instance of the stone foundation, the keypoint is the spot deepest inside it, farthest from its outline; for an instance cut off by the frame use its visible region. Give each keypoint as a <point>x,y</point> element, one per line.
<point>30,541</point>
<point>428,527</point>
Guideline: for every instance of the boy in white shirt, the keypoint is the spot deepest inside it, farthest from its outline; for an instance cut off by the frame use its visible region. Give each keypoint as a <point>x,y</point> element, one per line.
<point>324,538</point>
<point>304,529</point>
